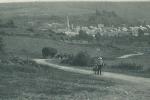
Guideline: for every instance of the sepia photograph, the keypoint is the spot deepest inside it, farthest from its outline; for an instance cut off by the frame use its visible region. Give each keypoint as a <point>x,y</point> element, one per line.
<point>74,50</point>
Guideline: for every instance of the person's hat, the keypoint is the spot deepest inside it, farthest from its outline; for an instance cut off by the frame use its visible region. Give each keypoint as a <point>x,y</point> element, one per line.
<point>99,57</point>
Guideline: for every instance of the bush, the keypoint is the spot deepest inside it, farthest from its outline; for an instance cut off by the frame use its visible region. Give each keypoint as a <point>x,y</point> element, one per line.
<point>82,59</point>
<point>69,60</point>
<point>30,29</point>
<point>49,52</point>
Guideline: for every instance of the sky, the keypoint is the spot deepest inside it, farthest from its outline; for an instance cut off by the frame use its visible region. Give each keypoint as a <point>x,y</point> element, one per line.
<point>7,1</point>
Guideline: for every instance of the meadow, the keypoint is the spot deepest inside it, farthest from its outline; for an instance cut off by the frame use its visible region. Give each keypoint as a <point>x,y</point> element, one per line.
<point>36,82</point>
<point>33,47</point>
<point>26,82</point>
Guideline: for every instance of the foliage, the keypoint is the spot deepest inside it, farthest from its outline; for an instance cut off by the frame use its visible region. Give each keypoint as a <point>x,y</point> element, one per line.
<point>30,29</point>
<point>49,52</point>
<point>68,60</point>
<point>140,32</point>
<point>97,36</point>
<point>83,36</point>
<point>82,59</point>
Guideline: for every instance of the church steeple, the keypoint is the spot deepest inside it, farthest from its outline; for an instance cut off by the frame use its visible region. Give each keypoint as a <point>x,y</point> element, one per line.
<point>68,24</point>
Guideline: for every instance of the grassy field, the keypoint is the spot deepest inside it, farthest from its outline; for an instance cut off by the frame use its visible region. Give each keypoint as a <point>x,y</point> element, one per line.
<point>33,47</point>
<point>44,83</point>
<point>26,82</point>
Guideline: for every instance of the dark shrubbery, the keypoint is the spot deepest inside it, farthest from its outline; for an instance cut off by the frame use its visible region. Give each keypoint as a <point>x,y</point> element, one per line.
<point>68,60</point>
<point>81,59</point>
<point>49,52</point>
<point>30,29</point>
<point>128,67</point>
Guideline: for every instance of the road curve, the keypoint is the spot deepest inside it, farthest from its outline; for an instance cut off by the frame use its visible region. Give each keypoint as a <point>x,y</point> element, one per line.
<point>134,79</point>
<point>130,55</point>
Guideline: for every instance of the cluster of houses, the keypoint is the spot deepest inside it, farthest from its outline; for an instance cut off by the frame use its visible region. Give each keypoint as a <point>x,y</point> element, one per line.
<point>101,29</point>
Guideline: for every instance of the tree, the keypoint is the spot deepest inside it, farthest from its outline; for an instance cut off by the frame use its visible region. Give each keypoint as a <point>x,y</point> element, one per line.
<point>97,36</point>
<point>140,32</point>
<point>49,52</point>
<point>84,36</point>
<point>82,59</point>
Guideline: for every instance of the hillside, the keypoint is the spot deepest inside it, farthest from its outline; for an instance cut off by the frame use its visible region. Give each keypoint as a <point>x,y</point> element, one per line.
<point>33,46</point>
<point>21,82</point>
<point>28,82</point>
<point>128,10</point>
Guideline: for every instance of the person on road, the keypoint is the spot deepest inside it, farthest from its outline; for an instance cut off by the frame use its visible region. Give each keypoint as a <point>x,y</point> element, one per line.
<point>100,64</point>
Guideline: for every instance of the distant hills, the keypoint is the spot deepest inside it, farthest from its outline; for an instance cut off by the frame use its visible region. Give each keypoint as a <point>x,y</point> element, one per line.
<point>123,11</point>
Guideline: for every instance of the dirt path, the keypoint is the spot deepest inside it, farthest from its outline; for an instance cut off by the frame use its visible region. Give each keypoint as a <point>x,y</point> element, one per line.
<point>139,80</point>
<point>131,55</point>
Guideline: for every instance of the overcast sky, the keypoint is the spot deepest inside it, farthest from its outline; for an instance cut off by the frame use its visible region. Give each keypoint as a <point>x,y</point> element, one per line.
<point>5,1</point>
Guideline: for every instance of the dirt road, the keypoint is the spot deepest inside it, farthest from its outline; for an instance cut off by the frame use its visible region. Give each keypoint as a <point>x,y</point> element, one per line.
<point>130,55</point>
<point>133,79</point>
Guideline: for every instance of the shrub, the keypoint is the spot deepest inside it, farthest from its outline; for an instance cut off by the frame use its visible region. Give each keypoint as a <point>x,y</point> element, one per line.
<point>49,52</point>
<point>82,59</point>
<point>69,60</point>
<point>30,29</point>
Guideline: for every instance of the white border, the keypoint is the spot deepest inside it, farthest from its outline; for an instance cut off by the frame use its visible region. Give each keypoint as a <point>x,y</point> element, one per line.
<point>12,1</point>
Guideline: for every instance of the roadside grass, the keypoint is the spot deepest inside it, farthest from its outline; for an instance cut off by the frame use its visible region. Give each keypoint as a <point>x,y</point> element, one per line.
<point>35,82</point>
<point>138,60</point>
<point>127,68</point>
<point>140,64</point>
